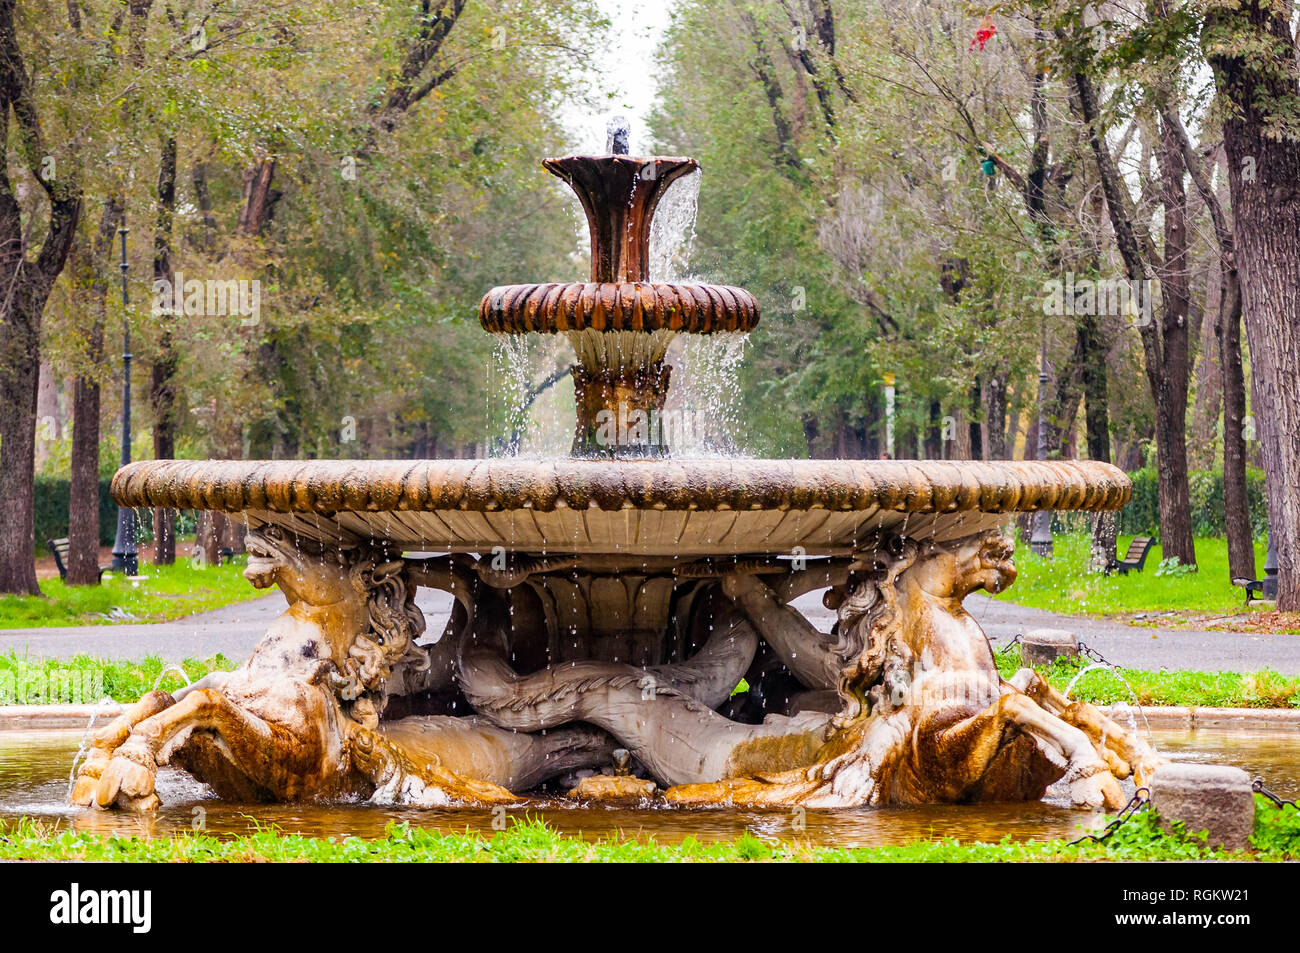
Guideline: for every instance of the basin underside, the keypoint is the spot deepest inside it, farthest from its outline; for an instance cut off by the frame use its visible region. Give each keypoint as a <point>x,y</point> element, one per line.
<point>661,508</point>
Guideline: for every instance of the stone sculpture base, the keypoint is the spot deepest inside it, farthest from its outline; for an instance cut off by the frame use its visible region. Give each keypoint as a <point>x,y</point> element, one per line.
<point>549,665</point>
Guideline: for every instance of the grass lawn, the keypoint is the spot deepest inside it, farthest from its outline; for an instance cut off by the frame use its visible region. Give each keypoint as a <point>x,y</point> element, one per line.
<point>86,680</point>
<point>1064,584</point>
<point>1266,689</point>
<point>1277,837</point>
<point>168,592</point>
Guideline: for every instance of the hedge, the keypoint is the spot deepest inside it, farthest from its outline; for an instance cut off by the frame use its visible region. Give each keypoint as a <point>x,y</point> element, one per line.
<point>1142,516</point>
<point>52,495</point>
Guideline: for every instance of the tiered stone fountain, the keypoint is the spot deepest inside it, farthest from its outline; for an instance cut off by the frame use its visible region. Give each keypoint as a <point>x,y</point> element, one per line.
<point>607,604</point>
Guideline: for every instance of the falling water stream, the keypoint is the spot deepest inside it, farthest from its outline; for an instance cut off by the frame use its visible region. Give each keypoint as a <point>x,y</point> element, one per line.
<point>533,411</point>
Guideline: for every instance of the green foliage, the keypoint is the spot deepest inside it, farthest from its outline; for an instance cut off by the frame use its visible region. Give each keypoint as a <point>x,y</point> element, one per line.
<point>52,511</point>
<point>1277,830</point>
<point>1173,567</point>
<point>21,678</point>
<point>1265,689</point>
<point>166,592</point>
<point>1141,517</point>
<point>1277,837</point>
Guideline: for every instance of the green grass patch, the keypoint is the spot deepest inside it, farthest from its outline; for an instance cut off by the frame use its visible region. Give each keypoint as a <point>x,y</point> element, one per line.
<point>1064,584</point>
<point>168,592</point>
<point>1265,689</point>
<point>1277,837</point>
<point>86,680</point>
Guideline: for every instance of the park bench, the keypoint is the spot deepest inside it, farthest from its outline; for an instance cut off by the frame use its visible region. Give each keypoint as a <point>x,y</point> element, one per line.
<point>1265,588</point>
<point>1135,558</point>
<point>1254,587</point>
<point>59,548</point>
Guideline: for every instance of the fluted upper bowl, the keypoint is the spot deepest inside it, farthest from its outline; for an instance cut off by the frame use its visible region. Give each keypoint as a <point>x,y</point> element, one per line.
<point>606,306</point>
<point>669,508</point>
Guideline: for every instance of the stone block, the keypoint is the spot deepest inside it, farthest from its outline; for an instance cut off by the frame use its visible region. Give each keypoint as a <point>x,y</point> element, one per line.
<point>1206,797</point>
<point>1044,646</point>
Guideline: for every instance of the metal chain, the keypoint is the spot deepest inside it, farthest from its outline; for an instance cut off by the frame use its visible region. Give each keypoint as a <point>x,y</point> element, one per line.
<point>1258,787</point>
<point>1088,650</point>
<point>1007,648</point>
<point>1141,798</point>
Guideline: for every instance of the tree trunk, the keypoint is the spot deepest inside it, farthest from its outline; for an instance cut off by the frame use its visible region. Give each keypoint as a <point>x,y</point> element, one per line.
<point>259,198</point>
<point>1264,177</point>
<point>996,418</point>
<point>810,433</point>
<point>18,381</point>
<point>1096,399</point>
<point>83,491</point>
<point>1164,341</point>
<point>1166,349</point>
<point>162,390</point>
<point>27,284</point>
<point>1236,507</point>
<point>1204,448</point>
<point>975,428</point>
<point>934,435</point>
<point>209,537</point>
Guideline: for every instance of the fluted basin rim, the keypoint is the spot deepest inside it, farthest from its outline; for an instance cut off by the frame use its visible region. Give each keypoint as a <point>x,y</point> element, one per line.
<point>611,306</point>
<point>327,487</point>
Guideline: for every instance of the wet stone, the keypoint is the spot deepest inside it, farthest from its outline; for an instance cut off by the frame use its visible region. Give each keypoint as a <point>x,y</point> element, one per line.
<point>1044,646</point>
<point>1206,797</point>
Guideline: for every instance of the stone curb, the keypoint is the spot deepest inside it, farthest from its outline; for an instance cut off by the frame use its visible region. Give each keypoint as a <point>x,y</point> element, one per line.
<point>41,717</point>
<point>1177,716</point>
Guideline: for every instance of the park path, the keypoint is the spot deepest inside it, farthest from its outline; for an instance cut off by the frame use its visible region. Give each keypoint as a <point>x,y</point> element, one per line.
<point>233,631</point>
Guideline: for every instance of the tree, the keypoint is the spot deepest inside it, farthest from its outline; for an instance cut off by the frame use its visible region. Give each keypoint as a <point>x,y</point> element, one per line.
<point>1164,338</point>
<point>27,280</point>
<point>1249,45</point>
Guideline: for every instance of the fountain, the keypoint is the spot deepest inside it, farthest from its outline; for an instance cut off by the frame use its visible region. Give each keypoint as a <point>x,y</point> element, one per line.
<point>608,604</point>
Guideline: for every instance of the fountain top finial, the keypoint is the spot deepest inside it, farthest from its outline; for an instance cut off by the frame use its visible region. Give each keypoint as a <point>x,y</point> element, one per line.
<point>618,136</point>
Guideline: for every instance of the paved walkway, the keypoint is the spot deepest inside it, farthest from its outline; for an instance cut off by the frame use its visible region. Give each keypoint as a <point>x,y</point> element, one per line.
<point>234,631</point>
<point>1132,646</point>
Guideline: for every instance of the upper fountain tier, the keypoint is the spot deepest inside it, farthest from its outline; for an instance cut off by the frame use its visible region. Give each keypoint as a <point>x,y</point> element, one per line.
<point>620,323</point>
<point>619,195</point>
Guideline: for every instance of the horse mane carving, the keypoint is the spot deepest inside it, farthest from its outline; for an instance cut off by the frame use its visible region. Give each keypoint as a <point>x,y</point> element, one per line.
<point>394,621</point>
<point>869,634</point>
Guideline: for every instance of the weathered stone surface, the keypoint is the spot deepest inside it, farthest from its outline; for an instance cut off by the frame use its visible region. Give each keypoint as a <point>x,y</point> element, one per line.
<point>682,569</point>
<point>327,487</point>
<point>1206,797</point>
<point>605,787</point>
<point>1044,646</point>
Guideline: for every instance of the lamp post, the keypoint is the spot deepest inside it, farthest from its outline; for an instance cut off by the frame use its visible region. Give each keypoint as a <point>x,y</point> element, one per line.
<point>1040,540</point>
<point>1270,570</point>
<point>124,551</point>
<point>889,416</point>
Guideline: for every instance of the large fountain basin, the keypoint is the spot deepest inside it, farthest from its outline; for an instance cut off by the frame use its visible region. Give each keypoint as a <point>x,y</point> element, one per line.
<point>665,508</point>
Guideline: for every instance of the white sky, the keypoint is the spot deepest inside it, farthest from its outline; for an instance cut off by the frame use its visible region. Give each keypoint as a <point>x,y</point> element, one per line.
<point>624,67</point>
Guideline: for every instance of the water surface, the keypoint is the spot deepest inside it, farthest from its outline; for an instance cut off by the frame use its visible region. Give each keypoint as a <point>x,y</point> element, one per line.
<point>34,782</point>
